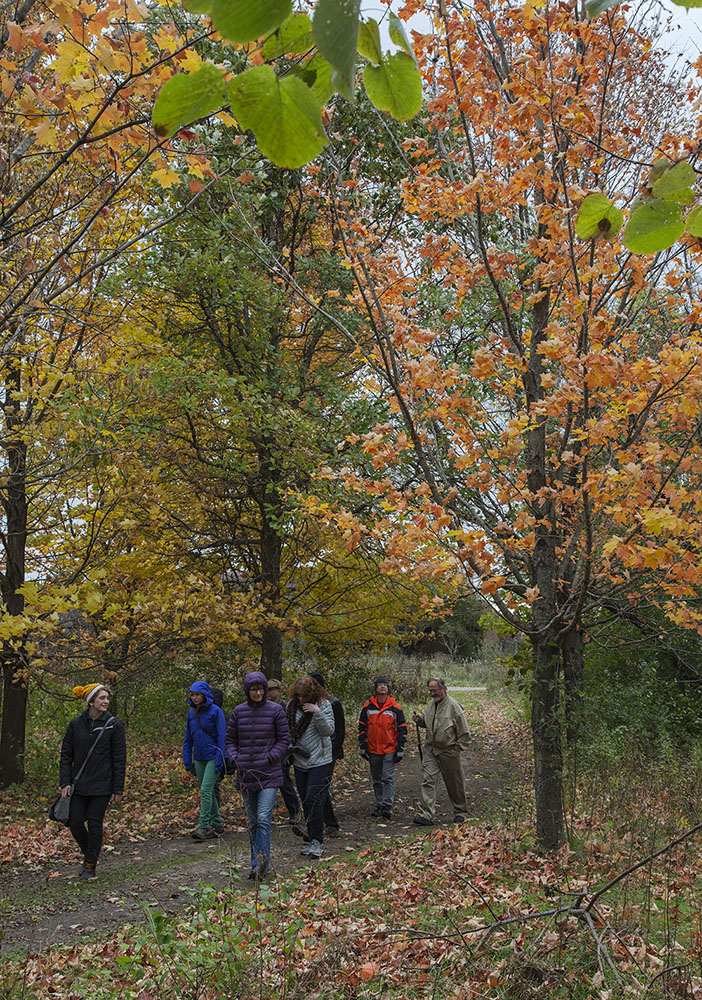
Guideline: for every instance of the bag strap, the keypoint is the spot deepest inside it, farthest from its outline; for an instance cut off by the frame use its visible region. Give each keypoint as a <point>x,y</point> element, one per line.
<point>97,740</point>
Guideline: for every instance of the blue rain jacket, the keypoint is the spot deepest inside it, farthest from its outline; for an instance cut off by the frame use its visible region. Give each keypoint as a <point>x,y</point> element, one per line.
<point>204,730</point>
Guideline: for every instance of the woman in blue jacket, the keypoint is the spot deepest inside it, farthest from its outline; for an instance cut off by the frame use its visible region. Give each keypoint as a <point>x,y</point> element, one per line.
<point>203,753</point>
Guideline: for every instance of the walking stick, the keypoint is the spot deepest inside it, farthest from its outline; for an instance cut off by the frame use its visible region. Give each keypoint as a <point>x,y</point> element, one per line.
<point>419,744</point>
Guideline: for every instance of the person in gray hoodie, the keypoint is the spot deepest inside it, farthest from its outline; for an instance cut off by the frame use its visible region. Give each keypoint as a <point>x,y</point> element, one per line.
<point>311,720</point>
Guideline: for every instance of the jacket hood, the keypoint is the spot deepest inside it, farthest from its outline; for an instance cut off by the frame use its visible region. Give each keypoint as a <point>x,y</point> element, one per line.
<point>201,687</point>
<point>256,677</point>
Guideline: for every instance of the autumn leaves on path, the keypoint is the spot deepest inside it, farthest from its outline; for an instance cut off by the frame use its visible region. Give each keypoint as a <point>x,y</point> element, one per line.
<point>45,905</point>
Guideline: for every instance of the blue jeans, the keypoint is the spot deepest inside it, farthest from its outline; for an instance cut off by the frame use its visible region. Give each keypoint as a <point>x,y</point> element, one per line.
<point>259,812</point>
<point>313,785</point>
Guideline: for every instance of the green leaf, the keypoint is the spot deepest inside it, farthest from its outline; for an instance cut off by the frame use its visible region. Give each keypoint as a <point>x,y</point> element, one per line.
<point>598,217</point>
<point>688,4</point>
<point>395,86</point>
<point>283,113</point>
<point>675,184</point>
<point>246,20</point>
<point>335,30</point>
<point>317,74</point>
<point>399,36</point>
<point>186,97</point>
<point>693,222</point>
<point>594,8</point>
<point>293,36</point>
<point>369,42</point>
<point>654,226</point>
<point>198,6</point>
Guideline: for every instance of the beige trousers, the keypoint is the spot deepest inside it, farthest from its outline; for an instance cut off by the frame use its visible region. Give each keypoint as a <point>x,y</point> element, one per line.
<point>449,766</point>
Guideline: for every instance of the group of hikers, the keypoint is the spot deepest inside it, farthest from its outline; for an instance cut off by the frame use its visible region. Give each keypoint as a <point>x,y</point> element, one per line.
<point>264,743</point>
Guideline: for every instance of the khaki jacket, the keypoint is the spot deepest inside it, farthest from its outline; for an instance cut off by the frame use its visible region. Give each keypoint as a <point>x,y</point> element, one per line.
<point>446,726</point>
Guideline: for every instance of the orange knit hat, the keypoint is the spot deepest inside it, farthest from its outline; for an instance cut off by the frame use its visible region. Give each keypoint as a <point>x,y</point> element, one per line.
<point>88,691</point>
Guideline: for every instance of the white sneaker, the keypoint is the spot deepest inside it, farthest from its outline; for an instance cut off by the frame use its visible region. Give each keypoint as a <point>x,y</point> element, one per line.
<point>313,849</point>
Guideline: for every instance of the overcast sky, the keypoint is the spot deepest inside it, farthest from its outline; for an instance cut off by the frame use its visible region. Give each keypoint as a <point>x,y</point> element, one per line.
<point>686,29</point>
<point>685,34</point>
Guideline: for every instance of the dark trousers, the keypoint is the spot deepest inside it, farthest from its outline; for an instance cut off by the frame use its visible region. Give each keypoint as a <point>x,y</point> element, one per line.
<point>292,803</point>
<point>330,820</point>
<point>313,784</point>
<point>90,810</point>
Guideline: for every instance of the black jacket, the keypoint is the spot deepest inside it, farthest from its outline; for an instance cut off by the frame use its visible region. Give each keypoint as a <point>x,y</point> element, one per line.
<point>104,772</point>
<point>339,736</point>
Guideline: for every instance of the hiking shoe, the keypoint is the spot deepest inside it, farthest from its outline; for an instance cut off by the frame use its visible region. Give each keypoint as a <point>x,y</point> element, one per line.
<point>422,821</point>
<point>217,830</point>
<point>87,872</point>
<point>313,849</point>
<point>386,813</point>
<point>201,833</point>
<point>377,812</point>
<point>332,832</point>
<point>459,818</point>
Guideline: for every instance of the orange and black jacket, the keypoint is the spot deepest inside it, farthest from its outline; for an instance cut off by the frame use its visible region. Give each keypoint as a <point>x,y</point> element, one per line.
<point>382,729</point>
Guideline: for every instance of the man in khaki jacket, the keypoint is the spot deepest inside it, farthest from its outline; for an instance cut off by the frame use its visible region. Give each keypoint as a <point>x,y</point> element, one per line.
<point>447,735</point>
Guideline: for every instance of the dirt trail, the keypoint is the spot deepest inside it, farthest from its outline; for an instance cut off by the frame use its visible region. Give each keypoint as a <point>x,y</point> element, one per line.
<point>47,905</point>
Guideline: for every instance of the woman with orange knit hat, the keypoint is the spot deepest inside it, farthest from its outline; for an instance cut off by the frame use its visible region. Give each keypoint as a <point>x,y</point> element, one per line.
<point>92,767</point>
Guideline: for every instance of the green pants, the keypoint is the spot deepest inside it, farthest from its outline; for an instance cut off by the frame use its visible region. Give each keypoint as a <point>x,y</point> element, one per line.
<point>209,810</point>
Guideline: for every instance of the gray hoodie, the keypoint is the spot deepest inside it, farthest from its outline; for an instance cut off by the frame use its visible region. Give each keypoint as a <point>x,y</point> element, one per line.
<point>316,739</point>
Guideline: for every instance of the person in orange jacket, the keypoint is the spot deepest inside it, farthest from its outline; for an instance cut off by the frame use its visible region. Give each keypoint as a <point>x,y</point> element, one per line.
<point>382,732</point>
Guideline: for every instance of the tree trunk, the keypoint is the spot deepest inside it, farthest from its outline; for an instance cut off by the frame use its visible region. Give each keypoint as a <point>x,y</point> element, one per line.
<point>14,502</point>
<point>271,638</point>
<point>272,651</point>
<point>14,715</point>
<point>546,736</point>
<point>545,721</point>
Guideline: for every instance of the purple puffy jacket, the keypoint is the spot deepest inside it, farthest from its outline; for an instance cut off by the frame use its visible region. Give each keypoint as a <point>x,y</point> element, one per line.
<point>257,738</point>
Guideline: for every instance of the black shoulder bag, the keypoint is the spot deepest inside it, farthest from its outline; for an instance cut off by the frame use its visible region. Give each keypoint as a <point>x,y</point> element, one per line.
<point>60,808</point>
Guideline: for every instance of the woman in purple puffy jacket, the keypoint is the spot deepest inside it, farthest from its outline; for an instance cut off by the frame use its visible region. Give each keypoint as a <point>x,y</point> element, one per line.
<point>256,740</point>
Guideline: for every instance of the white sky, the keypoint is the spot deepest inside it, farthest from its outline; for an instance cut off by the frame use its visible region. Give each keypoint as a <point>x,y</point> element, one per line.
<point>686,29</point>
<point>685,35</point>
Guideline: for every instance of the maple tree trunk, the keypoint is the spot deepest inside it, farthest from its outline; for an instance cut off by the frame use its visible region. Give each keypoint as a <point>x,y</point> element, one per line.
<point>14,502</point>
<point>545,722</point>
<point>572,649</point>
<point>546,736</point>
<point>271,555</point>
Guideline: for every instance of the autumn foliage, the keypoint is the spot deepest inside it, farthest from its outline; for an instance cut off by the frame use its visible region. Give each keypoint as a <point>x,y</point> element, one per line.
<point>545,388</point>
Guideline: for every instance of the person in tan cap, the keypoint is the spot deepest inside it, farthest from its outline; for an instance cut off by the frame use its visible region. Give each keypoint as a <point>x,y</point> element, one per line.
<point>447,738</point>
<point>91,770</point>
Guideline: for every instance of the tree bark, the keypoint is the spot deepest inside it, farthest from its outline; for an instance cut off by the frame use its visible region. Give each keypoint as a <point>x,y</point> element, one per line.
<point>14,502</point>
<point>546,735</point>
<point>271,558</point>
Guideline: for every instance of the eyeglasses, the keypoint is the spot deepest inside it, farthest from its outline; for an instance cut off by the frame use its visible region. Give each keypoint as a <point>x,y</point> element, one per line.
<point>257,687</point>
